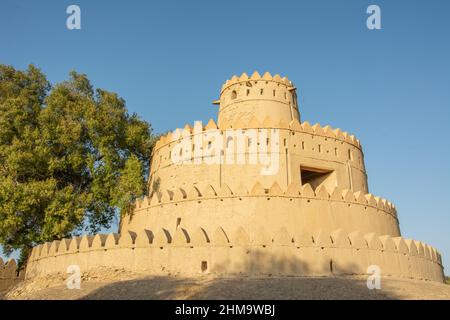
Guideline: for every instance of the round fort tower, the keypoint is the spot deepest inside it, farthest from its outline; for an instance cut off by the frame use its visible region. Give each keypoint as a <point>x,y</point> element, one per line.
<point>259,120</point>
<point>257,193</point>
<point>260,97</point>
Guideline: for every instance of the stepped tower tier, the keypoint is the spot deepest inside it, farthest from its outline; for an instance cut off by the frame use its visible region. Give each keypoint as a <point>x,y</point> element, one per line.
<point>246,97</point>
<point>318,171</point>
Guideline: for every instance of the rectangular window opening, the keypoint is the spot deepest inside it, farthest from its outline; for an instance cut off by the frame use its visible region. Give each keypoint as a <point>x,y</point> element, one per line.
<point>204,266</point>
<point>317,177</point>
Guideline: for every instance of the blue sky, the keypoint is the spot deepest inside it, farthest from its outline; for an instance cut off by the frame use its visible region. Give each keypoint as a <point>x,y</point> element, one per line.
<point>168,60</point>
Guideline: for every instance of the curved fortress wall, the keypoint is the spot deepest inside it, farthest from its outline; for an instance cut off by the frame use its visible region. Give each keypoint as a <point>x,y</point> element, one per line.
<point>246,97</point>
<point>294,208</point>
<point>296,146</point>
<point>219,252</point>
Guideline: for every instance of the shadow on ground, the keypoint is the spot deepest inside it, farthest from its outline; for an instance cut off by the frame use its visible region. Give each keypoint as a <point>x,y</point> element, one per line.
<point>238,288</point>
<point>108,285</point>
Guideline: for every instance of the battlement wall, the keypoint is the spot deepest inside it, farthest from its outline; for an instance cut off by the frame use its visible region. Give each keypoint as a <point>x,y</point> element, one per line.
<point>267,123</point>
<point>294,145</point>
<point>228,252</point>
<point>9,276</point>
<point>272,208</point>
<point>246,97</point>
<point>255,77</point>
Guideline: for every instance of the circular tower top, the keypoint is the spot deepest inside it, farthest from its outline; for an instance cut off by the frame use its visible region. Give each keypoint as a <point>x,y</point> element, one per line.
<point>244,97</point>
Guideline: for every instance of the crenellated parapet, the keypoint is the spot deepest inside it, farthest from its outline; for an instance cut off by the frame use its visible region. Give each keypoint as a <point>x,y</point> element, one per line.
<point>195,152</point>
<point>268,123</point>
<point>238,251</point>
<point>294,190</point>
<point>291,207</point>
<point>255,77</point>
<point>9,276</point>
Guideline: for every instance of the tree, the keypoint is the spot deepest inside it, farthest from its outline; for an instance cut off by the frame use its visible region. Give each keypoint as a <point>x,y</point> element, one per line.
<point>70,158</point>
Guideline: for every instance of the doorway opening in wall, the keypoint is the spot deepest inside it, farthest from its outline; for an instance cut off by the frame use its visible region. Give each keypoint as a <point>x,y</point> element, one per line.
<point>317,177</point>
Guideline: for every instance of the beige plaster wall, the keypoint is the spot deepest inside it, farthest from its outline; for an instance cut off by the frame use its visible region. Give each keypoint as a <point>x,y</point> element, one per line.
<point>299,145</point>
<point>246,97</point>
<point>294,208</point>
<point>231,252</point>
<point>8,274</point>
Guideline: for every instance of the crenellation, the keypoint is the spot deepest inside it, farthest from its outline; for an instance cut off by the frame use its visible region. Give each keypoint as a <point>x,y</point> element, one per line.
<point>162,238</point>
<point>194,193</point>
<point>200,237</point>
<point>307,191</point>
<point>74,245</point>
<point>257,189</point>
<point>337,194</point>
<point>181,238</point>
<point>339,239</point>
<point>275,189</point>
<point>388,243</point>
<point>318,130</point>
<point>206,191</point>
<point>420,248</point>
<point>360,198</point>
<point>261,237</point>
<point>371,200</point>
<point>85,243</point>
<point>112,240</point>
<point>127,239</point>
<point>99,240</point>
<point>220,238</point>
<point>240,237</point>
<point>348,196</point>
<point>303,238</point>
<point>282,238</point>
<point>225,191</point>
<point>322,193</point>
<point>411,247</point>
<point>54,248</point>
<point>322,239</point>
<point>139,239</point>
<point>306,127</point>
<point>44,249</point>
<point>373,241</point>
<point>357,240</point>
<point>401,245</point>
<point>293,189</point>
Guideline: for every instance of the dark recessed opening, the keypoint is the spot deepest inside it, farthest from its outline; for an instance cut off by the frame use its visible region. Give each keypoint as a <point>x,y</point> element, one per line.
<point>204,266</point>
<point>314,176</point>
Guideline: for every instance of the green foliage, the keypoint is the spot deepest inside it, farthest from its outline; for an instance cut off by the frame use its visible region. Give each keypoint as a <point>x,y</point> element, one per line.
<point>447,280</point>
<point>70,157</point>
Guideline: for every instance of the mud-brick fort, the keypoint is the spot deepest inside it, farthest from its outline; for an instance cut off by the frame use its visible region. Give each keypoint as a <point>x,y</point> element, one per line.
<point>312,215</point>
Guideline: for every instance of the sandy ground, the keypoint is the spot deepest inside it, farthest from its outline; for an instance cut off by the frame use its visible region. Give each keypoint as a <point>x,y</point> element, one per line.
<point>121,285</point>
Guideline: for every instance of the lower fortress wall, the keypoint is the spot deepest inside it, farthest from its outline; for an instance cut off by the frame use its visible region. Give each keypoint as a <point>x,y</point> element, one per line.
<point>220,253</point>
<point>8,274</point>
